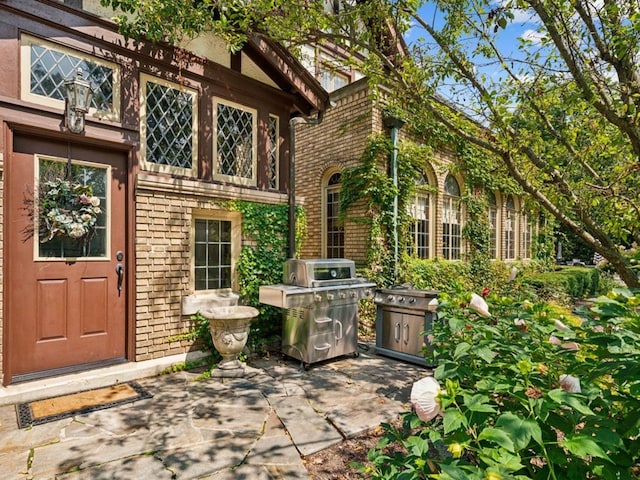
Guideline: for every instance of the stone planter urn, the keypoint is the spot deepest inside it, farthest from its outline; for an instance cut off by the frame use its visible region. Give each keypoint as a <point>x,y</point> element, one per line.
<point>229,326</point>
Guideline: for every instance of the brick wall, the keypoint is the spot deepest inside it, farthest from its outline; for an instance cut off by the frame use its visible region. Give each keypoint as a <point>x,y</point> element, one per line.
<point>331,146</point>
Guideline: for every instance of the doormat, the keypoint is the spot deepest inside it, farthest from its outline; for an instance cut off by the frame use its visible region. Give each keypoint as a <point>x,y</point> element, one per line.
<point>65,406</point>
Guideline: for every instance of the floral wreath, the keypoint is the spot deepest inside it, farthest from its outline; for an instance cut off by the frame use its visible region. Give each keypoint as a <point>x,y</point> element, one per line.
<point>67,209</point>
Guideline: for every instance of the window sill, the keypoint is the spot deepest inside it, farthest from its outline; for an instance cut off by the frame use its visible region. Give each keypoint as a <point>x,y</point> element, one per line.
<point>163,183</point>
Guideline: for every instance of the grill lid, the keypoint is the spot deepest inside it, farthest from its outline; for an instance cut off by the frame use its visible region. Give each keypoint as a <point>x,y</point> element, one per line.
<point>319,272</point>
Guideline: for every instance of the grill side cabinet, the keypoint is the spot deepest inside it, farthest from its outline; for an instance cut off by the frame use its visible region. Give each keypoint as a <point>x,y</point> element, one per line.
<point>314,334</point>
<point>403,321</point>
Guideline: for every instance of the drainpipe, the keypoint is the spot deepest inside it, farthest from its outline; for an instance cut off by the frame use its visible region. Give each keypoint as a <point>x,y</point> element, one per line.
<point>292,175</point>
<point>395,124</point>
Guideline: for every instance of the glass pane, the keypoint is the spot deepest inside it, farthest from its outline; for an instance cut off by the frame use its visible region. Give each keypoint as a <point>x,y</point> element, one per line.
<point>213,277</point>
<point>214,231</point>
<point>235,141</point>
<point>201,254</point>
<point>273,152</point>
<point>225,254</point>
<point>73,211</point>
<point>213,257</point>
<point>201,231</point>
<point>225,231</point>
<point>201,279</point>
<point>225,277</point>
<point>50,68</point>
<point>169,118</point>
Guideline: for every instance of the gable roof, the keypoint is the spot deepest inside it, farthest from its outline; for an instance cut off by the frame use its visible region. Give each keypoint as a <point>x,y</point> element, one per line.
<point>288,73</point>
<point>275,60</point>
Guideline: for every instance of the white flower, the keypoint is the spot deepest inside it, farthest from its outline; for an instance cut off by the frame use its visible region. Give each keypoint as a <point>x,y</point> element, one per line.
<point>560,326</point>
<point>570,384</point>
<point>95,201</point>
<point>520,322</point>
<point>478,304</point>
<point>571,346</point>
<point>424,398</point>
<point>553,340</point>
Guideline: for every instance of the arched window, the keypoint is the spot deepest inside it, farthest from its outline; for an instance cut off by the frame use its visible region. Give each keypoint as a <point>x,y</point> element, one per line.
<point>510,229</point>
<point>493,224</point>
<point>334,231</point>
<point>420,213</point>
<point>451,219</point>
<point>527,235</point>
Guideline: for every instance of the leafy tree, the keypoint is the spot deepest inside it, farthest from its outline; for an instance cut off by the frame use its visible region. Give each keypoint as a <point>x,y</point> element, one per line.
<point>558,112</point>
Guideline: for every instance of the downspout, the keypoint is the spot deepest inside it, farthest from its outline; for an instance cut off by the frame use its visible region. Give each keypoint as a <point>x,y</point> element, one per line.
<point>292,175</point>
<point>395,124</point>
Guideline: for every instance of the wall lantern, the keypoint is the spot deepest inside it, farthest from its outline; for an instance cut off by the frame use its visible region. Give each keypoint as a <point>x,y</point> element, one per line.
<point>78,93</point>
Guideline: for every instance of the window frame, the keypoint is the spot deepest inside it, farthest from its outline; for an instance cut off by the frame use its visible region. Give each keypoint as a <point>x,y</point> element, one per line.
<point>326,189</point>
<point>236,243</point>
<point>452,201</point>
<point>493,209</point>
<point>26,41</point>
<point>245,181</point>
<point>156,167</point>
<point>511,235</point>
<point>274,153</point>
<point>422,191</point>
<point>106,208</point>
<point>527,232</point>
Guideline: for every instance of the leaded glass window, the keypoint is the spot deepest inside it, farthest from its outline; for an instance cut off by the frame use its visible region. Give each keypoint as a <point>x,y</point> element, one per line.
<point>451,220</point>
<point>274,155</point>
<point>169,118</point>
<point>213,260</point>
<point>50,65</point>
<point>235,142</point>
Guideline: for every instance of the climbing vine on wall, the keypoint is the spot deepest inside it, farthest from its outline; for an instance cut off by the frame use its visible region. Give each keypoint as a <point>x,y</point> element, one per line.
<point>265,233</point>
<point>371,183</point>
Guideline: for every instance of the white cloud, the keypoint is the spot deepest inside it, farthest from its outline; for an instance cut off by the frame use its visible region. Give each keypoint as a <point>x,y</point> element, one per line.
<point>533,36</point>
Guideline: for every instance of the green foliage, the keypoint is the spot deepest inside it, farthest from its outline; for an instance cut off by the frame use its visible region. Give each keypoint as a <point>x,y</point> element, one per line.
<point>265,227</point>
<point>506,409</point>
<point>576,282</point>
<point>477,232</point>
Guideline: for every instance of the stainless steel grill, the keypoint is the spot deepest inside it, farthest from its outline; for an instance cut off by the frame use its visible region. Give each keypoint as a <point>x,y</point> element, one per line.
<point>404,317</point>
<point>320,301</point>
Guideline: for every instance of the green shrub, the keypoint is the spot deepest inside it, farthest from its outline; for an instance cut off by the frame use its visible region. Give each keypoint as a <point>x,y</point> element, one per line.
<point>576,282</point>
<point>507,411</point>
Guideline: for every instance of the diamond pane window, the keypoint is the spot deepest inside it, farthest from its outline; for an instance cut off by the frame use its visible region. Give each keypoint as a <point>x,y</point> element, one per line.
<point>49,66</point>
<point>273,152</point>
<point>169,135</point>
<point>235,143</point>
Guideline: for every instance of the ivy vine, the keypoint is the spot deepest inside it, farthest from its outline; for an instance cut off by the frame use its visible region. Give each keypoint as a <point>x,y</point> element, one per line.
<point>265,233</point>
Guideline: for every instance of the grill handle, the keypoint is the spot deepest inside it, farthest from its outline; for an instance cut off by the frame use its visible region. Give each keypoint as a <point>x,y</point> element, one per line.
<point>397,332</point>
<point>339,325</point>
<point>406,333</point>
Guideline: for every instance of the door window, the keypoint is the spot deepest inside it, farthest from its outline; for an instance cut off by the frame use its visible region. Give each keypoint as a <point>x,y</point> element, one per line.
<point>94,242</point>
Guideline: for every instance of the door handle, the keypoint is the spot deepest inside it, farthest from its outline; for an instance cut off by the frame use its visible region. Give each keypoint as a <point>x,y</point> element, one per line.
<point>120,273</point>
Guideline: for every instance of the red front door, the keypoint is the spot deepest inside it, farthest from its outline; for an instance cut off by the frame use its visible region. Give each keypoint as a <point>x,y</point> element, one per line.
<point>66,298</point>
